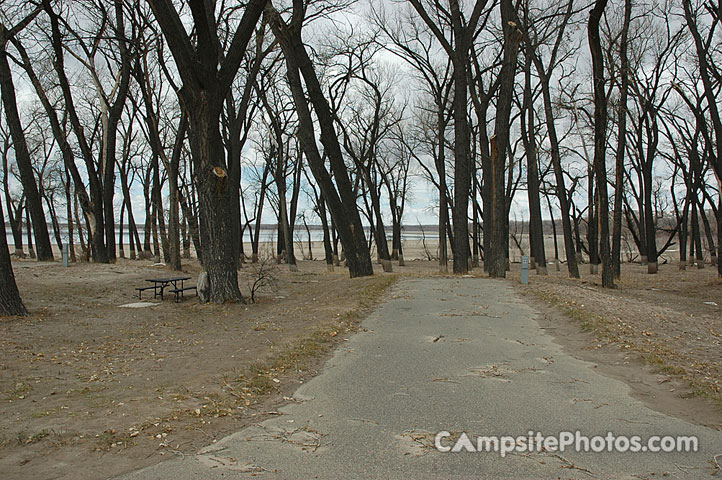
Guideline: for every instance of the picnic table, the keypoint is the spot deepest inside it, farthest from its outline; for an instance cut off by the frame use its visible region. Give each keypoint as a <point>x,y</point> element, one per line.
<point>159,284</point>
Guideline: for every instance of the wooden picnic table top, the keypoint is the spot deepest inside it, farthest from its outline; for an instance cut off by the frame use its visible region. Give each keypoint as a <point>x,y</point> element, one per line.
<point>167,280</point>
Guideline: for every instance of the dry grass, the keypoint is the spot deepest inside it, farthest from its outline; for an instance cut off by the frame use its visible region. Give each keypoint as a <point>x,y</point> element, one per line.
<point>670,320</point>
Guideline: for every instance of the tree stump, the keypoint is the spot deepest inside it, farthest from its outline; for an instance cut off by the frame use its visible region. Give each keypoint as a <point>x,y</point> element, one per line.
<point>204,287</point>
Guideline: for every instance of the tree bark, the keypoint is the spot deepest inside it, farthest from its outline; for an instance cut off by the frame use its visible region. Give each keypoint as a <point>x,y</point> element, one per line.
<point>92,207</point>
<point>111,134</point>
<point>29,231</point>
<point>621,143</point>
<point>600,132</point>
<point>560,189</point>
<point>462,161</point>
<point>443,201</point>
<point>708,232</point>
<point>121,247</point>
<point>341,203</point>
<point>207,76</point>
<point>22,155</point>
<point>69,215</point>
<point>496,212</point>
<point>536,227</point>
<point>10,301</point>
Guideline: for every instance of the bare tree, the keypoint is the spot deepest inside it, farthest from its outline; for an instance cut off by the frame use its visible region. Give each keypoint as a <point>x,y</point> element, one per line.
<point>341,202</point>
<point>207,74</point>
<point>600,138</point>
<point>22,155</point>
<point>457,48</point>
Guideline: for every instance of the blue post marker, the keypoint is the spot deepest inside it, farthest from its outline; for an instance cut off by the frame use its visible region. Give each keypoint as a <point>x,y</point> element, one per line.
<point>66,254</point>
<point>524,269</point>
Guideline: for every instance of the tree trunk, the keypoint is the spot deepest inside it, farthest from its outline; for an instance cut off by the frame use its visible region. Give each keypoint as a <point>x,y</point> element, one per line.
<point>22,156</point>
<point>554,234</point>
<point>69,215</point>
<point>536,227</point>
<point>683,233</point>
<point>462,171</point>
<point>600,132</point>
<point>132,227</point>
<point>285,229</point>
<point>131,240</point>
<point>259,213</point>
<point>708,233</point>
<point>649,226</point>
<point>379,231</point>
<point>621,143</point>
<point>443,202</point>
<point>341,203</point>
<point>496,256</point>
<point>696,240</point>
<point>186,238</point>
<point>54,221</point>
<point>211,178</point>
<point>652,131</point>
<point>83,248</point>
<point>10,301</point>
<point>174,239</point>
<point>560,190</point>
<point>592,222</point>
<point>327,247</point>
<point>29,231</point>
<point>121,248</point>
<point>92,207</point>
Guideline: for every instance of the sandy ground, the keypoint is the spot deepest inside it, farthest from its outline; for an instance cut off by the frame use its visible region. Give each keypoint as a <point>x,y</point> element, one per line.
<point>89,389</point>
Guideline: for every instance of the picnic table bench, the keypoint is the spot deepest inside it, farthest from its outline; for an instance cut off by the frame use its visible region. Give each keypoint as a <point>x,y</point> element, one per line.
<point>179,292</point>
<point>159,285</point>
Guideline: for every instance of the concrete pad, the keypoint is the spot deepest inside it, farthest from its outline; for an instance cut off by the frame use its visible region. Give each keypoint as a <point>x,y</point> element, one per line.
<point>139,305</point>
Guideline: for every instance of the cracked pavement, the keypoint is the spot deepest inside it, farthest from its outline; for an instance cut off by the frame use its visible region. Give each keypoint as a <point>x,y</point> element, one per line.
<point>447,354</point>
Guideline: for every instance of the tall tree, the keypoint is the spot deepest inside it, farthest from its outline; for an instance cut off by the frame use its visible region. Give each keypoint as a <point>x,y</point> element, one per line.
<point>528,134</point>
<point>600,140</point>
<point>708,70</point>
<point>341,202</point>
<point>545,73</point>
<point>10,301</point>
<point>496,216</point>
<point>415,45</point>
<point>207,74</point>
<point>457,48</point>
<point>22,154</point>
<point>93,207</point>
<point>621,141</point>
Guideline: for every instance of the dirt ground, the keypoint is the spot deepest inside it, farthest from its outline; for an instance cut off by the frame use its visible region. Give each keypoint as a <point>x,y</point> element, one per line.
<point>661,334</point>
<point>89,389</point>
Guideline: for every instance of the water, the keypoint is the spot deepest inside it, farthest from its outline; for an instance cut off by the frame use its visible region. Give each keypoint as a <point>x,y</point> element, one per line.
<point>267,234</point>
